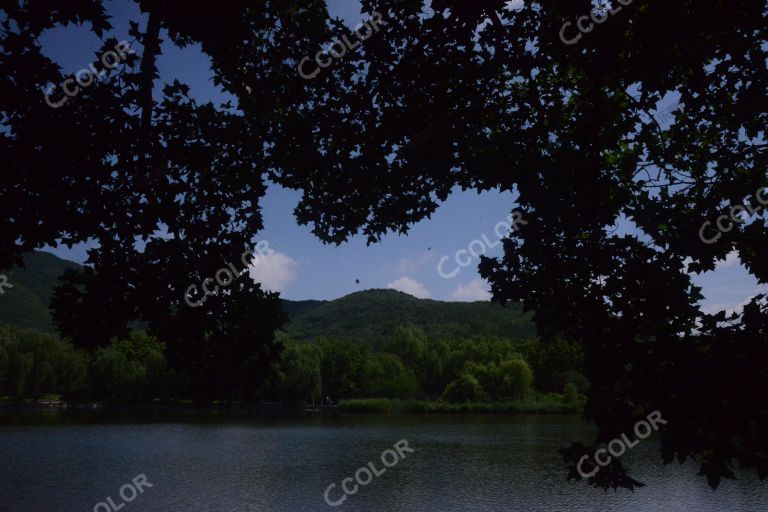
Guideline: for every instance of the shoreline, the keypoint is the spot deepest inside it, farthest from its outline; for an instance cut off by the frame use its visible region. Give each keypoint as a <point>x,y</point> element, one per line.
<point>396,406</point>
<point>354,406</point>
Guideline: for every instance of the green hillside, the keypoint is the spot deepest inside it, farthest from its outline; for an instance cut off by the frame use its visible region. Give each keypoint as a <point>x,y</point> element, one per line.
<point>372,316</point>
<point>296,308</point>
<point>26,304</point>
<point>369,316</point>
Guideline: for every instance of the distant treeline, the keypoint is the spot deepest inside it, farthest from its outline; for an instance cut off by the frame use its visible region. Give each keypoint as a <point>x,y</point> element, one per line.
<point>410,366</point>
<point>35,364</point>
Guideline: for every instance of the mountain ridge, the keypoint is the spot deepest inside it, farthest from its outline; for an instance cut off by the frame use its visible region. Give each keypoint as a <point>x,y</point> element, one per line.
<point>368,316</point>
<point>373,315</point>
<point>26,303</point>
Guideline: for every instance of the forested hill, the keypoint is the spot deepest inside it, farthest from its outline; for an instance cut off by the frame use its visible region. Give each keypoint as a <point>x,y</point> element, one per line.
<point>373,315</point>
<point>369,316</point>
<point>26,304</point>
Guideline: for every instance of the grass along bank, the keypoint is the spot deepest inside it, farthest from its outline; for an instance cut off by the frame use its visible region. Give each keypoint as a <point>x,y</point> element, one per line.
<point>547,404</point>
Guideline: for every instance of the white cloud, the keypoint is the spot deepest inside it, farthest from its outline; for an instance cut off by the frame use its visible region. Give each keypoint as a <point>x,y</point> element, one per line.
<point>409,286</point>
<point>274,271</point>
<point>474,290</point>
<point>731,259</point>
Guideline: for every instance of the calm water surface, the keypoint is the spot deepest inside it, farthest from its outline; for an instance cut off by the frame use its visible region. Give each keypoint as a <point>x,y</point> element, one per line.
<point>479,463</point>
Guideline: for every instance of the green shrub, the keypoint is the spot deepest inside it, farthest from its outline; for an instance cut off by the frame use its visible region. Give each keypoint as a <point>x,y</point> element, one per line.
<point>297,377</point>
<point>515,380</point>
<point>571,394</point>
<point>465,389</point>
<point>577,379</point>
<point>129,369</point>
<point>33,364</point>
<point>386,376</point>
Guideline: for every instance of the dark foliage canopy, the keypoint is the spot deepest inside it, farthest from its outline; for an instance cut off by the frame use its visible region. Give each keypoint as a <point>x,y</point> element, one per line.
<point>507,105</point>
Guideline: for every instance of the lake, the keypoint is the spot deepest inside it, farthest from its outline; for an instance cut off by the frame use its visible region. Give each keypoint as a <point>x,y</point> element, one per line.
<point>55,462</point>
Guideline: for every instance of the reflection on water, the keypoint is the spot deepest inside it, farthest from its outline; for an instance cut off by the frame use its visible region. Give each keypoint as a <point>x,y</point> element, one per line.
<point>460,463</point>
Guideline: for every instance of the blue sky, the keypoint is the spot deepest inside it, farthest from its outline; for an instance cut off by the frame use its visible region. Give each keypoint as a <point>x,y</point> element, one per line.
<point>304,268</point>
